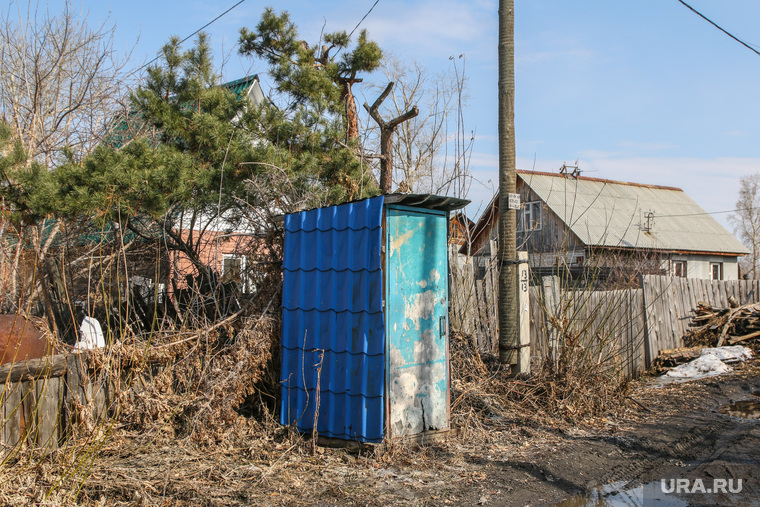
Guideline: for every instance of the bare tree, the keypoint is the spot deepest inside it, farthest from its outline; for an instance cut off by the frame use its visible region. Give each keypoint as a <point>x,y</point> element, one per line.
<point>746,222</point>
<point>387,129</point>
<point>61,80</point>
<point>430,150</point>
<point>61,83</point>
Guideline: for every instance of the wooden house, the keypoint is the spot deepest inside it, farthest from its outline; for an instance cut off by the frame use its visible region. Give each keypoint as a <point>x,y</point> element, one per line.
<point>579,225</point>
<point>460,228</point>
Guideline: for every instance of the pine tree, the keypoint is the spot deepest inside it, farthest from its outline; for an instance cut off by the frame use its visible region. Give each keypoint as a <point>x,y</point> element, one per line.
<point>214,154</point>
<point>313,73</point>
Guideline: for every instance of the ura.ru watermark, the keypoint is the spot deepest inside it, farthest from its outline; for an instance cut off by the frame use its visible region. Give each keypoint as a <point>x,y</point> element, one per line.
<point>705,487</point>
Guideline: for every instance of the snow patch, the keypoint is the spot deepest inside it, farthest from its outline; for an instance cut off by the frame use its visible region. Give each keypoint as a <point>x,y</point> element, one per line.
<point>711,363</point>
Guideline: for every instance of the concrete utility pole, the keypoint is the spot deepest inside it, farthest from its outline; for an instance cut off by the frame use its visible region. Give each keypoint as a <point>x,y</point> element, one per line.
<point>509,341</point>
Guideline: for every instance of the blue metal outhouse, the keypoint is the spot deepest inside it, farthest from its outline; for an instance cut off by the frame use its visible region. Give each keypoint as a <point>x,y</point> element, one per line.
<point>365,351</point>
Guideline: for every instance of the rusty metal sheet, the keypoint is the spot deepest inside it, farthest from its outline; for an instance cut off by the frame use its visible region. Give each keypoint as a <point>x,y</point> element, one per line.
<point>20,340</point>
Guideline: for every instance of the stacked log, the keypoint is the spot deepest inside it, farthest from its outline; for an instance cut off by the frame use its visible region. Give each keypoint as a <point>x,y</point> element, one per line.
<point>715,327</point>
<point>670,358</point>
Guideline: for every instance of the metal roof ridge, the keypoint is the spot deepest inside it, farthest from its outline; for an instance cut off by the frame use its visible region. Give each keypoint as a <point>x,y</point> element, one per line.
<point>598,180</point>
<point>246,79</point>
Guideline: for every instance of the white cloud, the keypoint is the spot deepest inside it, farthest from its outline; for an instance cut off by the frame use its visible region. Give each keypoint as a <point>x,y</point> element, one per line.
<point>431,28</point>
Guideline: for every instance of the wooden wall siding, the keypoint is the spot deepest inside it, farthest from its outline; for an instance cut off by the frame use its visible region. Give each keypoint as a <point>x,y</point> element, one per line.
<point>554,236</point>
<point>41,400</point>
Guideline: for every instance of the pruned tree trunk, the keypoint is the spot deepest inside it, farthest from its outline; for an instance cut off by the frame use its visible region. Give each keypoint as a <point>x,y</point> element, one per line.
<point>352,115</point>
<point>386,137</point>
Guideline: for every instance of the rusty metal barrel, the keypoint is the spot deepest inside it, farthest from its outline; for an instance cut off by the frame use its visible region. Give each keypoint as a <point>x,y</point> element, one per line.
<point>20,340</point>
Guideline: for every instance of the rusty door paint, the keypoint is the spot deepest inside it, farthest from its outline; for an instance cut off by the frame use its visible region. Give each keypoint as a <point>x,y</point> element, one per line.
<point>416,320</point>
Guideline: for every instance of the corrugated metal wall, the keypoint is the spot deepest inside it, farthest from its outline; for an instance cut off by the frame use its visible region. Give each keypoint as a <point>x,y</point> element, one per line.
<point>333,335</point>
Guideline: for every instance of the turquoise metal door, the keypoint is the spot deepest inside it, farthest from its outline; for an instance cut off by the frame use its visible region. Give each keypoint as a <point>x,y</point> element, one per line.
<point>416,316</point>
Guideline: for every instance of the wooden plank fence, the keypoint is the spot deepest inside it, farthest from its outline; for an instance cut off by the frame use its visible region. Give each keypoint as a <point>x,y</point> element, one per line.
<point>669,302</point>
<point>474,309</point>
<point>41,400</point>
<point>642,321</point>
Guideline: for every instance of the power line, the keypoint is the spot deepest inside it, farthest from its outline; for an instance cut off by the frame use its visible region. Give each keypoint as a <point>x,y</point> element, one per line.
<point>753,208</point>
<point>692,9</point>
<point>699,214</point>
<point>359,24</point>
<point>202,28</point>
<point>362,20</point>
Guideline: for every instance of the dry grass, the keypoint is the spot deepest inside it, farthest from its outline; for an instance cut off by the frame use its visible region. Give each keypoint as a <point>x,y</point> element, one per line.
<point>193,424</point>
<point>190,446</point>
<point>487,397</point>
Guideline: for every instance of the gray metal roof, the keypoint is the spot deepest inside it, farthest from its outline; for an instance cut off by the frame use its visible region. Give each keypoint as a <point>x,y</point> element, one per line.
<point>430,201</point>
<point>614,214</point>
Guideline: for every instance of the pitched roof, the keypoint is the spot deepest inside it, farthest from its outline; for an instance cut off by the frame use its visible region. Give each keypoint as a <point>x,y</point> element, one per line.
<point>246,86</point>
<point>630,215</point>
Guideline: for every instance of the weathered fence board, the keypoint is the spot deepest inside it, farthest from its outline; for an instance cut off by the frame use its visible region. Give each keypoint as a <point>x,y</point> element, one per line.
<point>49,394</point>
<point>41,398</point>
<point>643,321</point>
<point>474,309</point>
<point>11,411</point>
<point>669,303</point>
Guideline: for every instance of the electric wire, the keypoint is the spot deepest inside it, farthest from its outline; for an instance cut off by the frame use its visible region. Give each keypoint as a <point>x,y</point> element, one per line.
<point>198,30</point>
<point>711,212</point>
<point>359,24</point>
<point>365,17</point>
<point>692,9</point>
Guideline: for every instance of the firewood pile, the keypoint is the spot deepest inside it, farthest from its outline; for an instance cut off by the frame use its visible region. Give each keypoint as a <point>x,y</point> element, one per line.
<point>715,327</point>
<point>670,358</point>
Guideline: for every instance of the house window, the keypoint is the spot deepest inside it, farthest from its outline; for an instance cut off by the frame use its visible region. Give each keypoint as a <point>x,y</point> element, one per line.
<point>716,270</point>
<point>234,270</point>
<point>530,218</point>
<point>679,268</point>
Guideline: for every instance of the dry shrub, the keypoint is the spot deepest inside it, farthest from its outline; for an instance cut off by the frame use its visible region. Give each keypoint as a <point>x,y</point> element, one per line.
<point>586,381</point>
<point>193,387</point>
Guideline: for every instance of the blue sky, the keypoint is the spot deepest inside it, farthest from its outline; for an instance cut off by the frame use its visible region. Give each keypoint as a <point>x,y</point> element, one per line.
<point>635,90</point>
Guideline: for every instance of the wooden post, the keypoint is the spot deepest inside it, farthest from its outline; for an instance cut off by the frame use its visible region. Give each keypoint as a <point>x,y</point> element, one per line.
<point>509,340</point>
<point>523,359</point>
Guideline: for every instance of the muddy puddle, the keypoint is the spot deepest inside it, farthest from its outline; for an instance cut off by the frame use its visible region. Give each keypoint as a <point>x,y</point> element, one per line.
<point>618,494</point>
<point>746,409</point>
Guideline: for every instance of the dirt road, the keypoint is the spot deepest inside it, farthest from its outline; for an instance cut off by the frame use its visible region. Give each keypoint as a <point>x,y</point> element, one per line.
<point>673,432</point>
<point>677,432</point>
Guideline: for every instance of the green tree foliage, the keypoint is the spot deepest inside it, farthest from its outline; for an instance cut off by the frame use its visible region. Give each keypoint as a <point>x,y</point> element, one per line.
<point>312,74</point>
<point>213,154</point>
<point>204,151</point>
<point>27,188</point>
